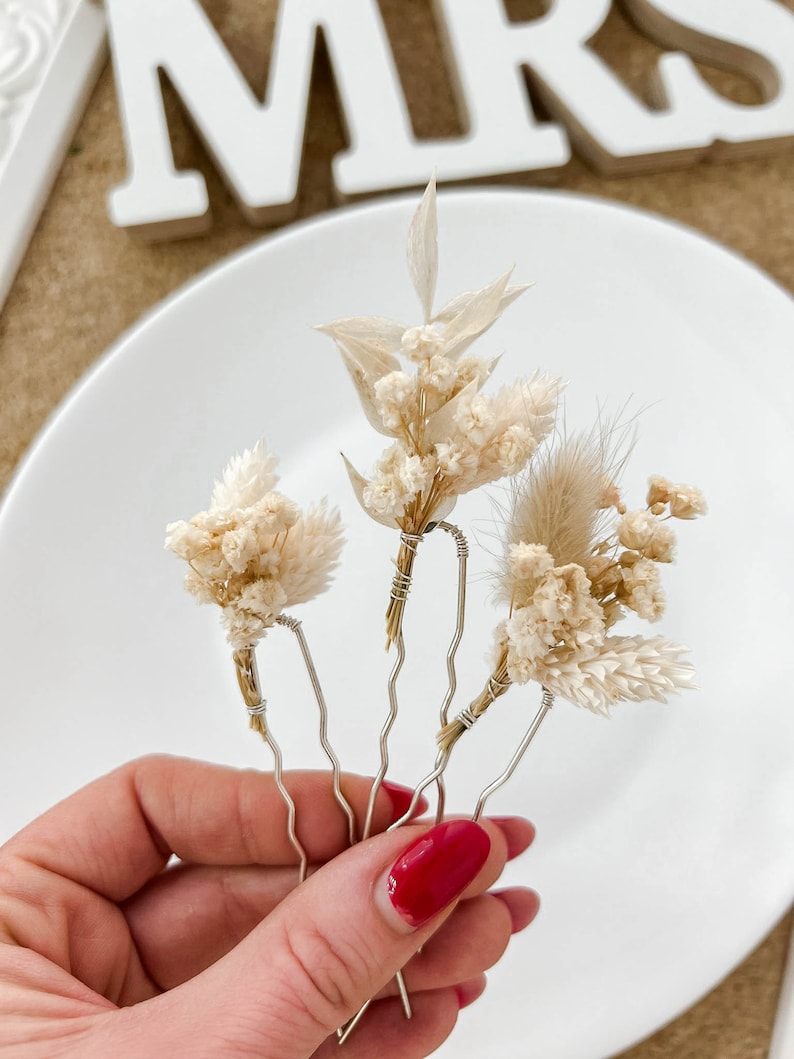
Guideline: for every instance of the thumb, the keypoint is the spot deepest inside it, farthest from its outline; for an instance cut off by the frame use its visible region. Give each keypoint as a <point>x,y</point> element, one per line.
<point>330,946</point>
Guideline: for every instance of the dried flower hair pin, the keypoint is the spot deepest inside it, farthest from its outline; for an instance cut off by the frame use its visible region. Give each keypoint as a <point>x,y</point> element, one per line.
<point>449,437</point>
<point>575,561</point>
<point>254,553</point>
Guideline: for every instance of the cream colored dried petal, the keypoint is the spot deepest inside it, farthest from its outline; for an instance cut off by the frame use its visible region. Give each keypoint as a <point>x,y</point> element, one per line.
<point>527,635</point>
<point>239,547</point>
<point>613,612</point>
<point>442,425</point>
<point>481,311</point>
<point>622,668</point>
<point>687,502</point>
<point>514,448</point>
<point>456,305</point>
<point>370,341</point>
<point>520,670</point>
<point>474,369</point>
<point>385,496</point>
<point>414,474</point>
<point>264,597</point>
<point>662,546</point>
<point>246,478</point>
<point>421,343</point>
<point>396,400</point>
<point>455,459</point>
<point>274,513</point>
<point>360,485</point>
<point>438,376</point>
<point>204,591</point>
<point>310,554</point>
<point>636,530</point>
<point>267,561</point>
<point>604,574</point>
<point>243,629</point>
<point>423,249</point>
<point>641,590</point>
<point>659,490</point>
<point>529,562</point>
<point>365,388</point>
<point>186,540</point>
<point>475,418</point>
<point>610,495</point>
<point>212,564</point>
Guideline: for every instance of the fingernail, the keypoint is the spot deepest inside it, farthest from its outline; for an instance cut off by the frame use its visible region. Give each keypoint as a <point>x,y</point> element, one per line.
<point>401,800</point>
<point>437,868</point>
<point>470,991</point>
<point>519,833</point>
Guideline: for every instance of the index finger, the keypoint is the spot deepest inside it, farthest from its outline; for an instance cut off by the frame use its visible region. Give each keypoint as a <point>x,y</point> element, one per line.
<point>119,831</point>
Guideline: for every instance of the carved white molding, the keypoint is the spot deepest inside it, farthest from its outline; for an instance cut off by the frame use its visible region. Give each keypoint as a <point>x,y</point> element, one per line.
<point>28,31</point>
<point>50,54</point>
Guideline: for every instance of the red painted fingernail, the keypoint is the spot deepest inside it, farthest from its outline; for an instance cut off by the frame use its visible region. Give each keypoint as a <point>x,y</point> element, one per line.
<point>401,800</point>
<point>436,869</point>
<point>470,991</point>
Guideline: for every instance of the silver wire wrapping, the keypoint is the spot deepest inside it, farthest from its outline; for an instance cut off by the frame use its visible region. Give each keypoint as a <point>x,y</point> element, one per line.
<point>401,584</point>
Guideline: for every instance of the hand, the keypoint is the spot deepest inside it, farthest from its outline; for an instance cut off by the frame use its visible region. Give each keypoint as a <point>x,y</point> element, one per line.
<point>106,949</point>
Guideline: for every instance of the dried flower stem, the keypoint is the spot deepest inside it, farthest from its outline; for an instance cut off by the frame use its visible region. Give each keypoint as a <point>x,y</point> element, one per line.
<point>546,704</point>
<point>248,680</point>
<point>497,684</point>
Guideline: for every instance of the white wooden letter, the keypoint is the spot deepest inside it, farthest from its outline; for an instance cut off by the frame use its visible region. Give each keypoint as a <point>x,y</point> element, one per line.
<point>606,122</point>
<point>257,146</point>
<point>755,37</point>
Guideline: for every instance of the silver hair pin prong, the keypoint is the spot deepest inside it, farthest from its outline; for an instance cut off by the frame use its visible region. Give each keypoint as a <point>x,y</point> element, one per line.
<point>546,704</point>
<point>257,711</point>
<point>336,769</point>
<point>462,547</point>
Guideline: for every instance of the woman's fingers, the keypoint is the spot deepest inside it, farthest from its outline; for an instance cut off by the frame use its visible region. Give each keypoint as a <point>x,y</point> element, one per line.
<point>154,807</point>
<point>189,916</point>
<point>471,941</point>
<point>384,1030</point>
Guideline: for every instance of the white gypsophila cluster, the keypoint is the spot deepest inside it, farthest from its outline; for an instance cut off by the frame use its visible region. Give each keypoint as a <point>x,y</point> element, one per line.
<point>557,632</point>
<point>253,552</point>
<point>559,611</point>
<point>449,436</point>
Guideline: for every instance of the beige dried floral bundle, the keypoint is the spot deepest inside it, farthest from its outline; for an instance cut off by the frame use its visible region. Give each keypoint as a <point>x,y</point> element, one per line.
<point>575,560</point>
<point>253,553</point>
<point>449,437</point>
<point>570,572</point>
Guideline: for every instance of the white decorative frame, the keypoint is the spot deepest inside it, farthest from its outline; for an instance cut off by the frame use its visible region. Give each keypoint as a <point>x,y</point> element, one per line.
<point>51,53</point>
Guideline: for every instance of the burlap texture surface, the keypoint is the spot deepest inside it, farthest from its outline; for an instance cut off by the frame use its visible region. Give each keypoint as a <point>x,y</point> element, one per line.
<point>83,283</point>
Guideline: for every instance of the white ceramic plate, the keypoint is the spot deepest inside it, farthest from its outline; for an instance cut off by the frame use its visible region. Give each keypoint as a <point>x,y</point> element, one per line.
<point>664,848</point>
